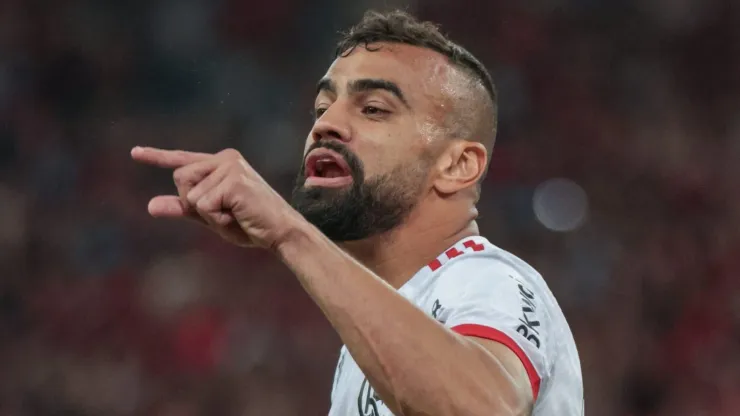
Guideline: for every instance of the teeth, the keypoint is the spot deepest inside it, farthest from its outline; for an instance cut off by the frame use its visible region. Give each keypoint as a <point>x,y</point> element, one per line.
<point>327,167</point>
<point>321,164</point>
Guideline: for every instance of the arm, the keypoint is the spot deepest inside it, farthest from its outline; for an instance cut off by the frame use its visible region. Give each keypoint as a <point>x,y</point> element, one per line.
<point>417,366</point>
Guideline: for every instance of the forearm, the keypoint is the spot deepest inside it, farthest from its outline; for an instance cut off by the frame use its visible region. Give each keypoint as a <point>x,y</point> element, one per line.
<point>414,363</point>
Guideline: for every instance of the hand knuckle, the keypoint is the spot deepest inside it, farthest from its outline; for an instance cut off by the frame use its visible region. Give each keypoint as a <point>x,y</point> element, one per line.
<point>202,204</point>
<point>244,165</point>
<point>179,176</point>
<point>191,200</point>
<point>231,153</point>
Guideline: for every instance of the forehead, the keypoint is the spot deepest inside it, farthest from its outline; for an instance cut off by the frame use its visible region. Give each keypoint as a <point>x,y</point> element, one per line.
<point>419,72</point>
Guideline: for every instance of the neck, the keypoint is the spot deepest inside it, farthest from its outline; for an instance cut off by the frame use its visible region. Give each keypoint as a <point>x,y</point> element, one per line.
<point>397,255</point>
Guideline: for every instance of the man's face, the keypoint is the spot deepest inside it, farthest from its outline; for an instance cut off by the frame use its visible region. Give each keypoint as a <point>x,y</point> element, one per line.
<point>367,158</point>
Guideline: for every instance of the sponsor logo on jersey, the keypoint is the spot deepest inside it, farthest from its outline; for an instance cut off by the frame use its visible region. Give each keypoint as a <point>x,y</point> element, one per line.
<point>437,311</point>
<point>529,323</point>
<point>368,401</point>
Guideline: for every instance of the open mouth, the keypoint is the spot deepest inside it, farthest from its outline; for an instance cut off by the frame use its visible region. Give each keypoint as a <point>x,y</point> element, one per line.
<point>325,167</point>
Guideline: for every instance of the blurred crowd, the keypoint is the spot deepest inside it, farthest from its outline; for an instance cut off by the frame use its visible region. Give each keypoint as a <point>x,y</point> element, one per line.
<point>105,311</point>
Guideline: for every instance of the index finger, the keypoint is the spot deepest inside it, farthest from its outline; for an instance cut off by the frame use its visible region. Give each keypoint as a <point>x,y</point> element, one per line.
<point>166,158</point>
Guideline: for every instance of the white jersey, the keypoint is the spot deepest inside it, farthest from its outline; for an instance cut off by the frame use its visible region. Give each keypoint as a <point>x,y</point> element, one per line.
<point>477,289</point>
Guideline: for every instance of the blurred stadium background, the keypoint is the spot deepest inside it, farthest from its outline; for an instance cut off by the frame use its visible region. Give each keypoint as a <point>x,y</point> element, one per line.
<point>615,174</point>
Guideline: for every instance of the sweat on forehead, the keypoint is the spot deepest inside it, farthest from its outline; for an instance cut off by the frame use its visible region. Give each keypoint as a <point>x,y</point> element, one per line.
<point>453,96</point>
<point>451,88</point>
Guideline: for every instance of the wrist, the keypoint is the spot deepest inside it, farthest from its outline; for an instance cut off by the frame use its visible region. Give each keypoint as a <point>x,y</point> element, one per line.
<point>296,231</point>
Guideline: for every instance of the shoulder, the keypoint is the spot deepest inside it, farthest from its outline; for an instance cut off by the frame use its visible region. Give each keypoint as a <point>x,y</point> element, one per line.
<point>490,293</point>
<point>493,288</point>
<point>476,267</point>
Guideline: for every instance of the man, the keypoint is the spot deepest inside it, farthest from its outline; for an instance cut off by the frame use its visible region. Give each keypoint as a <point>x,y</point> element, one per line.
<point>382,235</point>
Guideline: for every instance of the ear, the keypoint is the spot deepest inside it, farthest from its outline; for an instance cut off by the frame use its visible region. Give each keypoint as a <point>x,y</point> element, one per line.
<point>460,166</point>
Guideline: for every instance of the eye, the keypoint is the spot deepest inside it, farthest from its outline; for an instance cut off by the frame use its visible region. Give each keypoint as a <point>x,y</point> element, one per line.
<point>317,113</point>
<point>373,111</point>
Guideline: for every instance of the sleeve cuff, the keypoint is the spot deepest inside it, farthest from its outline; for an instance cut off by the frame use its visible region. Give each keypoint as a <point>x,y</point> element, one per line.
<point>481,331</point>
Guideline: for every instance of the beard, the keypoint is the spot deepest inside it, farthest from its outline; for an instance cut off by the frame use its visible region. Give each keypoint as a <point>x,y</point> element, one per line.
<point>367,207</point>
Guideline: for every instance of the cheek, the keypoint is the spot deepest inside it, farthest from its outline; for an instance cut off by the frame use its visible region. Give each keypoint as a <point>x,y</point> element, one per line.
<point>383,150</point>
<point>388,161</point>
<point>429,130</point>
<point>377,156</point>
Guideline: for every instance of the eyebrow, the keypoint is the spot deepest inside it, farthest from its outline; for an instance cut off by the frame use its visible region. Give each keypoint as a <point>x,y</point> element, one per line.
<point>326,84</point>
<point>363,85</point>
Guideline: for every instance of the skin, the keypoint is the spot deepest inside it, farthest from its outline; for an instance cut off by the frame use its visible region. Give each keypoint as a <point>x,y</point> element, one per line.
<point>417,366</point>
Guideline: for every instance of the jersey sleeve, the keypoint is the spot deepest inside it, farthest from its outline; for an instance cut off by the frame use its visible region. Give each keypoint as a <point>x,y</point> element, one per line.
<point>483,297</point>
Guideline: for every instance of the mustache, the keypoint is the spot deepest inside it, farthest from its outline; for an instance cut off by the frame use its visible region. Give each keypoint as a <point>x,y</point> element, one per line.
<point>353,161</point>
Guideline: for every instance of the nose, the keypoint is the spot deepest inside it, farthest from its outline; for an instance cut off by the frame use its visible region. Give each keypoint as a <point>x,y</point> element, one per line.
<point>332,125</point>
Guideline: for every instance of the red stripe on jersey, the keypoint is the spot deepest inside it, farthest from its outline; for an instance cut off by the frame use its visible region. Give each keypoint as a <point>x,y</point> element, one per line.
<point>453,252</point>
<point>480,331</point>
<point>471,244</point>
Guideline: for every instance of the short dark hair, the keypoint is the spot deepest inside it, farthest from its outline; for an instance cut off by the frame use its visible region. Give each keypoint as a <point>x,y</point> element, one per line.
<point>400,27</point>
